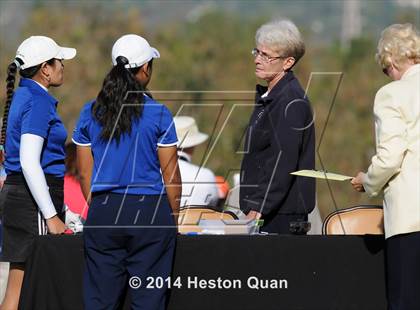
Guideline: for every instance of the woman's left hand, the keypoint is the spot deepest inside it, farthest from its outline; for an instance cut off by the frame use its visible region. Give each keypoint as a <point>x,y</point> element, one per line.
<point>253,215</point>
<point>357,182</point>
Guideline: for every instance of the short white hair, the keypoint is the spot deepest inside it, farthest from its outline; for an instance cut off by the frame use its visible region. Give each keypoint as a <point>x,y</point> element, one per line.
<point>283,37</point>
<point>398,44</point>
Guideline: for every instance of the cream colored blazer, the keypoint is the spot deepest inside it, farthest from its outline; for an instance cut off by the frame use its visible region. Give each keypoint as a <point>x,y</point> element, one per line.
<point>395,168</point>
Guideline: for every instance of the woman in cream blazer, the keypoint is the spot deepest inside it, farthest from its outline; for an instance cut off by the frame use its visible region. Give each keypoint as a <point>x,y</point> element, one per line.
<point>395,169</point>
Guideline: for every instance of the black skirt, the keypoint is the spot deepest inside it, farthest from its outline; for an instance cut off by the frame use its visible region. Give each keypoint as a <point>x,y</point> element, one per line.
<point>21,218</point>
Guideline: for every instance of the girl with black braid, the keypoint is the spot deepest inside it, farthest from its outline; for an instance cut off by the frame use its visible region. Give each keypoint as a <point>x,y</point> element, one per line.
<point>130,141</point>
<point>32,151</point>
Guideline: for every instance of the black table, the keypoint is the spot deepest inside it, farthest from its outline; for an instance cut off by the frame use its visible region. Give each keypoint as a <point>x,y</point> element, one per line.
<point>310,272</point>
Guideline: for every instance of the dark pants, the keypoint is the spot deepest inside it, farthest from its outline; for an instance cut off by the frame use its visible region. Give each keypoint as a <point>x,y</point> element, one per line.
<point>134,237</point>
<point>403,271</point>
<point>280,223</point>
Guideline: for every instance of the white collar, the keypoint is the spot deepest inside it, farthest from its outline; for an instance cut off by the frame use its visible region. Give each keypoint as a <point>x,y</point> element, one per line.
<point>411,70</point>
<point>184,156</point>
<point>42,86</point>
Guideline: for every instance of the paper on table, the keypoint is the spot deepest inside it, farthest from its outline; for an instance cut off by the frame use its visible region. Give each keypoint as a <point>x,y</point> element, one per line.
<point>228,227</point>
<point>322,175</point>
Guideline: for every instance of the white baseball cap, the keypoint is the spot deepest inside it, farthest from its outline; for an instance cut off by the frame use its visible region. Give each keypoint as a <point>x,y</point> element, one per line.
<point>37,49</point>
<point>187,132</point>
<point>135,48</point>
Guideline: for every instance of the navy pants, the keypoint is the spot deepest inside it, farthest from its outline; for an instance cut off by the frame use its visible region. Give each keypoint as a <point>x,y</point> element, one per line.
<point>127,236</point>
<point>403,271</point>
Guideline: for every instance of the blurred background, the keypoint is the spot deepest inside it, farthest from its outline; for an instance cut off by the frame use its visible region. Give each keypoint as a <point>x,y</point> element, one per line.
<point>206,68</point>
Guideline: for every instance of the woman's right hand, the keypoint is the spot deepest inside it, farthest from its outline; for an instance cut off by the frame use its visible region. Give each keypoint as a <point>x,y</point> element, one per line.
<point>55,225</point>
<point>357,182</point>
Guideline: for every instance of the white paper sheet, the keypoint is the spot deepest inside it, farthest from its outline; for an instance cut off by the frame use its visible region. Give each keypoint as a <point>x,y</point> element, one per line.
<point>322,175</point>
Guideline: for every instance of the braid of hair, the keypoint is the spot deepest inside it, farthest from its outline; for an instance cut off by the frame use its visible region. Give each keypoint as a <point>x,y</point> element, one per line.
<point>10,89</point>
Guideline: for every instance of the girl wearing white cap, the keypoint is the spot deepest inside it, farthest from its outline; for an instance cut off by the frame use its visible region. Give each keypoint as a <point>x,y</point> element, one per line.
<point>32,148</point>
<point>130,142</point>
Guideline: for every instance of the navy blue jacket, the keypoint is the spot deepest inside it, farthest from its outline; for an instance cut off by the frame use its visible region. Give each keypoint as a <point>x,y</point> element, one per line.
<point>280,139</point>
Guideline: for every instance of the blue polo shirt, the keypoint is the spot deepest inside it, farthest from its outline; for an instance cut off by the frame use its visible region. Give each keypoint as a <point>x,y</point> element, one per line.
<point>33,110</point>
<point>131,166</point>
